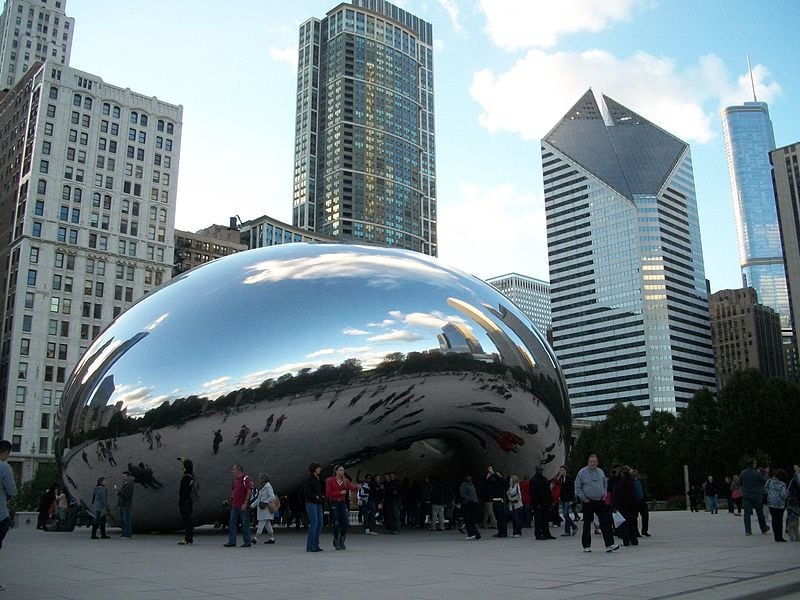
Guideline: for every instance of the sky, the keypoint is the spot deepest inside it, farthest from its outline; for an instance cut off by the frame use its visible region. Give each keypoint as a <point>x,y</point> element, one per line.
<point>505,72</point>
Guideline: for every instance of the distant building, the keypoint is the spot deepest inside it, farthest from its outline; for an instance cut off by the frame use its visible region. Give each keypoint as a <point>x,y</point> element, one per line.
<point>365,168</point>
<point>205,245</point>
<point>87,211</point>
<point>531,295</point>
<point>266,231</point>
<point>745,335</point>
<point>627,283</point>
<point>786,177</point>
<point>31,31</point>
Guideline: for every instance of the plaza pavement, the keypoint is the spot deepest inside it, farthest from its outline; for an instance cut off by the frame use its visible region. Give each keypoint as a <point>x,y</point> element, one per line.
<point>689,556</point>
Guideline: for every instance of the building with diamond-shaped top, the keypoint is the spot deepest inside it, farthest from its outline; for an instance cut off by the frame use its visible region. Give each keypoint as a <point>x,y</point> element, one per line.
<point>628,293</point>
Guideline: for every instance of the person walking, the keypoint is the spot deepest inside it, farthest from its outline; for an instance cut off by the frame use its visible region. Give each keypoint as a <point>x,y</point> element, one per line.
<point>8,491</point>
<point>710,491</point>
<point>337,490</point>
<point>642,510</point>
<point>542,500</point>
<point>186,492</point>
<point>314,497</point>
<point>777,493</point>
<point>736,495</point>
<point>567,497</point>
<point>125,504</point>
<point>217,440</point>
<point>241,491</point>
<point>264,514</point>
<point>496,492</point>
<point>470,506</point>
<point>101,509</point>
<point>752,481</point>
<point>514,495</point>
<point>591,487</point>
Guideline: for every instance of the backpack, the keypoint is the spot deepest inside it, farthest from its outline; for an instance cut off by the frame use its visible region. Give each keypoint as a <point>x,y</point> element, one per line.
<point>194,490</point>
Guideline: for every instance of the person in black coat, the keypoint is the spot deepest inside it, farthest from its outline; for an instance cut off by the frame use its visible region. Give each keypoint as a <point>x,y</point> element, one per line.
<point>314,495</point>
<point>186,502</point>
<point>496,494</point>
<point>567,497</point>
<point>623,499</point>
<point>542,502</point>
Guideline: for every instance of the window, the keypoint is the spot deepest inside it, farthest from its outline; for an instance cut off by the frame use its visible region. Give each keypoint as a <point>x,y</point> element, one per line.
<point>143,120</point>
<point>27,323</point>
<point>44,166</point>
<point>160,125</point>
<point>19,416</point>
<point>57,281</point>
<point>159,141</point>
<point>16,443</point>
<point>22,371</point>
<point>34,255</point>
<point>22,392</point>
<point>140,154</point>
<point>44,445</point>
<point>29,299</point>
<point>55,304</point>
<point>134,116</point>
<point>168,145</point>
<point>39,208</point>
<point>47,397</point>
<point>46,147</point>
<point>24,346</point>
<point>36,230</point>
<point>170,128</point>
<point>31,277</point>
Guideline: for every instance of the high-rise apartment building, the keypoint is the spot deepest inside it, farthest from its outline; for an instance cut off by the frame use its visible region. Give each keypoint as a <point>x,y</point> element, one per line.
<point>786,178</point>
<point>745,335</point>
<point>531,295</point>
<point>749,139</point>
<point>627,284</point>
<point>33,30</point>
<point>205,245</point>
<point>365,168</point>
<point>87,211</point>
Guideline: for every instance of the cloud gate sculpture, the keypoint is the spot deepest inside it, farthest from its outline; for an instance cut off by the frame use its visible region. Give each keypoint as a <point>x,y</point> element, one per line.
<point>375,358</point>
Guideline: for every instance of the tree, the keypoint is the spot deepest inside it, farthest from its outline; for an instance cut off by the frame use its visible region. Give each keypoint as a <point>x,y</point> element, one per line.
<point>697,437</point>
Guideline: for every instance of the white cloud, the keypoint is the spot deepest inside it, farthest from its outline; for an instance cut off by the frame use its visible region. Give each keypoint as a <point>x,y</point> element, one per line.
<point>287,54</point>
<point>513,218</point>
<point>453,11</point>
<point>354,331</point>
<point>323,352</point>
<point>539,89</point>
<point>516,24</point>
<point>396,335</point>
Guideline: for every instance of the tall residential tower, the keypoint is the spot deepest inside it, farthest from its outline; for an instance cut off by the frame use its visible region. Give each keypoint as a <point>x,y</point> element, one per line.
<point>365,168</point>
<point>628,294</point>
<point>748,141</point>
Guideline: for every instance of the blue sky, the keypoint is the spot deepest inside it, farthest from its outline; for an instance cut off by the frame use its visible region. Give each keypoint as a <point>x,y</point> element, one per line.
<point>506,71</point>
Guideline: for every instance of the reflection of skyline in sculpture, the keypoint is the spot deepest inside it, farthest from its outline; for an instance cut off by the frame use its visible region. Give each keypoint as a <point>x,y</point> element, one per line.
<point>426,390</point>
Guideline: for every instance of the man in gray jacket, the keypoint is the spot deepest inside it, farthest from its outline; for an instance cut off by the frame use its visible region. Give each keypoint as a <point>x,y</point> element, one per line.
<point>753,481</point>
<point>591,487</point>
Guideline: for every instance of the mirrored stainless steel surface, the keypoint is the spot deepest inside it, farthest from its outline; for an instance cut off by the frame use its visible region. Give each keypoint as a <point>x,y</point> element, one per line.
<point>375,358</point>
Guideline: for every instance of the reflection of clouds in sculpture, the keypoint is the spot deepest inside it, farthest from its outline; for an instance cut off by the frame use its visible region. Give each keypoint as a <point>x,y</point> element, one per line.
<point>139,399</point>
<point>323,352</point>
<point>396,335</point>
<point>376,268</point>
<point>157,322</point>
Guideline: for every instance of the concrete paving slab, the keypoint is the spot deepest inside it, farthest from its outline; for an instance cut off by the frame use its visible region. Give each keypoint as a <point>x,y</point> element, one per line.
<point>693,556</point>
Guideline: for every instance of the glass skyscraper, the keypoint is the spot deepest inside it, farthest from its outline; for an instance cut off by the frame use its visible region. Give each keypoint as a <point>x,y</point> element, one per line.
<point>748,141</point>
<point>627,285</point>
<point>364,143</point>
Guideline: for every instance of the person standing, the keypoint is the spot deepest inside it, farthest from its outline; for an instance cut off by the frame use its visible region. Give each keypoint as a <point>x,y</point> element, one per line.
<point>186,502</point>
<point>470,506</point>
<point>566,497</point>
<point>8,491</point>
<point>314,497</point>
<point>752,481</point>
<point>710,490</point>
<point>591,487</point>
<point>641,506</point>
<point>337,490</point>
<point>438,499</point>
<point>101,509</point>
<point>777,493</point>
<point>217,440</point>
<point>542,503</point>
<point>496,493</point>
<point>125,504</point>
<point>241,490</point>
<point>736,495</point>
<point>514,495</point>
<point>391,503</point>
<point>624,502</point>
<point>264,515</point>
<point>45,502</point>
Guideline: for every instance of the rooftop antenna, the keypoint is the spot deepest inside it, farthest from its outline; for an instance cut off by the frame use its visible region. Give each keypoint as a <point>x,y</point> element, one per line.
<point>752,82</point>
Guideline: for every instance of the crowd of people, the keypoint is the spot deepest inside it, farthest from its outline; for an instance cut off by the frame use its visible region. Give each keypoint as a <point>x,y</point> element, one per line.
<point>747,493</point>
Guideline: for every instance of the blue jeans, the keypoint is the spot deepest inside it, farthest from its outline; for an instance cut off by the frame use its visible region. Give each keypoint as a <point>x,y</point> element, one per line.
<point>125,514</point>
<point>569,525</point>
<point>369,516</point>
<point>517,521</point>
<point>239,515</point>
<point>757,505</point>
<point>314,512</point>
<point>340,519</point>
<point>712,504</point>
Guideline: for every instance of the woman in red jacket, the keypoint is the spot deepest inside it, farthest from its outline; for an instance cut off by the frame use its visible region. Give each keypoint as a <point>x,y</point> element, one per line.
<point>337,490</point>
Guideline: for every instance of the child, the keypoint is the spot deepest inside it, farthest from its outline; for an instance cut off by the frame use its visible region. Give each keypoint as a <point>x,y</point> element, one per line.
<point>792,519</point>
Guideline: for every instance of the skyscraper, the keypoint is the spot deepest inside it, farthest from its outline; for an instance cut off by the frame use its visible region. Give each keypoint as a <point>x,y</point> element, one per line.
<point>786,177</point>
<point>627,284</point>
<point>365,168</point>
<point>33,30</point>
<point>531,295</point>
<point>87,211</point>
<point>748,141</point>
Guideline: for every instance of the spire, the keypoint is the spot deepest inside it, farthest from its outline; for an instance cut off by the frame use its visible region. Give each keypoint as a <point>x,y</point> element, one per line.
<point>752,81</point>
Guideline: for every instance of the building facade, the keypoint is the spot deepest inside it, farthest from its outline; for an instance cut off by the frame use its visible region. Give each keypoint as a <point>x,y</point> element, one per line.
<point>786,178</point>
<point>266,231</point>
<point>210,243</point>
<point>87,211</point>
<point>627,284</point>
<point>33,30</point>
<point>531,295</point>
<point>365,168</point>
<point>745,335</point>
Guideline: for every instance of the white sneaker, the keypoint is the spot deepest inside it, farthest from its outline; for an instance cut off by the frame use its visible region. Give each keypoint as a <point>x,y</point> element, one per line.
<point>612,548</point>
<point>587,549</point>
<point>471,537</point>
<point>517,535</point>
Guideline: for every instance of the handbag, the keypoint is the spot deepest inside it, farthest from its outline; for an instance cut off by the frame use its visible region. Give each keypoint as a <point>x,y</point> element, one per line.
<point>274,505</point>
<point>262,505</point>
